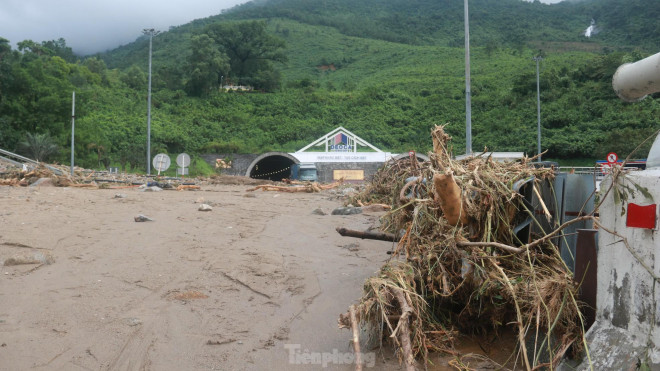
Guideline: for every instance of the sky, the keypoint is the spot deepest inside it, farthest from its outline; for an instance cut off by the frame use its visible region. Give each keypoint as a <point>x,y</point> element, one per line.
<point>91,26</point>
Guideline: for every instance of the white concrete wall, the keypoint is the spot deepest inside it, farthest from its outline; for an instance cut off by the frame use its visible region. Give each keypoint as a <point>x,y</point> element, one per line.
<point>628,295</point>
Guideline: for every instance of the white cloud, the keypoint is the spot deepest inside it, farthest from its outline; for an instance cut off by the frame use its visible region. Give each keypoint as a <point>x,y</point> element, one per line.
<point>90,26</point>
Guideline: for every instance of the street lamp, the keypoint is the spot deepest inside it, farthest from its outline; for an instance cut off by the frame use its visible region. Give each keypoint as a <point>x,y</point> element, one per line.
<point>468,93</point>
<point>538,59</point>
<point>151,32</point>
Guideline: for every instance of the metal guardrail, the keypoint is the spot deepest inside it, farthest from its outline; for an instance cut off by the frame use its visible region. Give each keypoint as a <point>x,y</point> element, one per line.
<point>597,171</point>
<point>11,155</point>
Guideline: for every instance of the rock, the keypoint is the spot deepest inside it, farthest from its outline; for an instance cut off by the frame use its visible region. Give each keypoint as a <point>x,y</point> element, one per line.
<point>43,182</point>
<point>200,200</point>
<point>319,211</point>
<point>347,211</point>
<point>142,218</point>
<point>133,321</point>
<point>205,207</point>
<point>120,195</point>
<point>348,191</point>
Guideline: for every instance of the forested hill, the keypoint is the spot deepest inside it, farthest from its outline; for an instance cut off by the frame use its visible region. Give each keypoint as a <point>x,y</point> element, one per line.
<point>622,24</point>
<point>387,70</point>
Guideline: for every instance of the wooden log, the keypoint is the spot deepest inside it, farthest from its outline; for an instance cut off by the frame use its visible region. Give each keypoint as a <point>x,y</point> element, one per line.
<point>448,193</point>
<point>380,236</point>
<point>356,338</point>
<point>188,187</point>
<point>403,330</point>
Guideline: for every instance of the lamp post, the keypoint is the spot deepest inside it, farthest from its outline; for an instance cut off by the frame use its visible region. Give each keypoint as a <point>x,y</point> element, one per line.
<point>151,32</point>
<point>538,59</point>
<point>468,93</point>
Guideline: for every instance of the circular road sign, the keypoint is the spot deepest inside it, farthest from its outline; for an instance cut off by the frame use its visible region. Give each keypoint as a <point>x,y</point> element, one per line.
<point>605,168</point>
<point>183,160</point>
<point>161,162</point>
<point>612,158</point>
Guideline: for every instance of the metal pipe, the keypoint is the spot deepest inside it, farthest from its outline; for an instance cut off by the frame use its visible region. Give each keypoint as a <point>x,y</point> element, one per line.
<point>632,82</point>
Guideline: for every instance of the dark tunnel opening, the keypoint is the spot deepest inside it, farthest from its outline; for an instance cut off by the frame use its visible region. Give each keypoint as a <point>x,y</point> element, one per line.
<point>273,168</point>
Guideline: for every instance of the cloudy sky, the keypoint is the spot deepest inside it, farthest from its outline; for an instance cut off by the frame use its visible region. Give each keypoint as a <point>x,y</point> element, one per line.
<point>91,26</point>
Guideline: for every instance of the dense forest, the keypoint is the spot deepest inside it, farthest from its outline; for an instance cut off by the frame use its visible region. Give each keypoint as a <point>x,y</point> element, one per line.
<point>388,70</point>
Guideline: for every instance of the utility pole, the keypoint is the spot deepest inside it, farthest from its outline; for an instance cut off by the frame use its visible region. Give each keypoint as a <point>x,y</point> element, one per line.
<point>538,59</point>
<point>151,32</point>
<point>468,93</point>
<point>73,126</point>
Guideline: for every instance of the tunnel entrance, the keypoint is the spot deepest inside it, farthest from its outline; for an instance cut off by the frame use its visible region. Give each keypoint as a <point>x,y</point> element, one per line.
<point>273,166</point>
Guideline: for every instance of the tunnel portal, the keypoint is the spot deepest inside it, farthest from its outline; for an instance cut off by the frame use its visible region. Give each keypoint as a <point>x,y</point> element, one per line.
<point>273,166</point>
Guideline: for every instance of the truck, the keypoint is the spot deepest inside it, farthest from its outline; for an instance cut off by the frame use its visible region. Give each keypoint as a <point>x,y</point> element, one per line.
<point>305,171</point>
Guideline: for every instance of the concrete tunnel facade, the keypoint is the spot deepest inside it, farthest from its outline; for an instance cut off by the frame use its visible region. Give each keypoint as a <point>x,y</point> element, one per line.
<point>271,166</point>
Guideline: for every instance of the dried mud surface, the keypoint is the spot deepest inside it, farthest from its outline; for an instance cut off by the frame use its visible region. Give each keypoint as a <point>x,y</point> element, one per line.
<point>228,289</point>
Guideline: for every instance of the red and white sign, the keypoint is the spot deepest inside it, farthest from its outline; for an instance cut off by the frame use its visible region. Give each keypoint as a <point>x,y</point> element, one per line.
<point>612,158</point>
<point>605,167</point>
<point>411,153</point>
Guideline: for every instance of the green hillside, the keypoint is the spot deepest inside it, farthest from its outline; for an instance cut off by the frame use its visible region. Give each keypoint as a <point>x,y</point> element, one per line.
<point>386,70</point>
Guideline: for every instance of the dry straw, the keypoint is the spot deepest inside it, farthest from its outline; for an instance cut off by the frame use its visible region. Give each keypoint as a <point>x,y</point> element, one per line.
<point>459,267</point>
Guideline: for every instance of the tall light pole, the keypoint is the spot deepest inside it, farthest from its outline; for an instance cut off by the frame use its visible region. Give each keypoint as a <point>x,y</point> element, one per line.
<point>151,32</point>
<point>73,126</point>
<point>538,59</point>
<point>468,93</point>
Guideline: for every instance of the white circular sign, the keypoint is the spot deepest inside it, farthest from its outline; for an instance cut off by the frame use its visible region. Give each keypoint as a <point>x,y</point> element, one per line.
<point>612,158</point>
<point>161,162</point>
<point>183,160</point>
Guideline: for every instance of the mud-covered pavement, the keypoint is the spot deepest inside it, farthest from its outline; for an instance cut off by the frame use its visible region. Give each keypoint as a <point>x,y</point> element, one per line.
<point>256,283</point>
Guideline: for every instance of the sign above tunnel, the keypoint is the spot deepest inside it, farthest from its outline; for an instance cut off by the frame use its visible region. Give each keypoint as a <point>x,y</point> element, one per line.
<point>341,145</point>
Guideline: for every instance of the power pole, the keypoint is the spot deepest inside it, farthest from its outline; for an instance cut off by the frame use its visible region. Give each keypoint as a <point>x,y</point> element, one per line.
<point>468,93</point>
<point>151,32</point>
<point>538,59</point>
<point>73,126</point>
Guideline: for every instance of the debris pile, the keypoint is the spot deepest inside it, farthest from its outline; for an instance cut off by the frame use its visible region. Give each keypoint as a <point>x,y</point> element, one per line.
<point>297,187</point>
<point>465,271</point>
<point>14,176</point>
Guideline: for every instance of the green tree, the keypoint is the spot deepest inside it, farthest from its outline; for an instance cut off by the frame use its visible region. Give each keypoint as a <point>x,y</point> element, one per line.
<point>58,48</point>
<point>134,78</point>
<point>40,147</point>
<point>207,65</point>
<point>5,48</point>
<point>251,51</point>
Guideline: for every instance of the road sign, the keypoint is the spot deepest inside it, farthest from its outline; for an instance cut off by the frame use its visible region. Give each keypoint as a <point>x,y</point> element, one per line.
<point>605,167</point>
<point>183,160</point>
<point>612,158</point>
<point>161,162</point>
<point>411,153</point>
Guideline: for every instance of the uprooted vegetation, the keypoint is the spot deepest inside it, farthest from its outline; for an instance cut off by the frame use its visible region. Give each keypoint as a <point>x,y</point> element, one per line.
<point>459,267</point>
